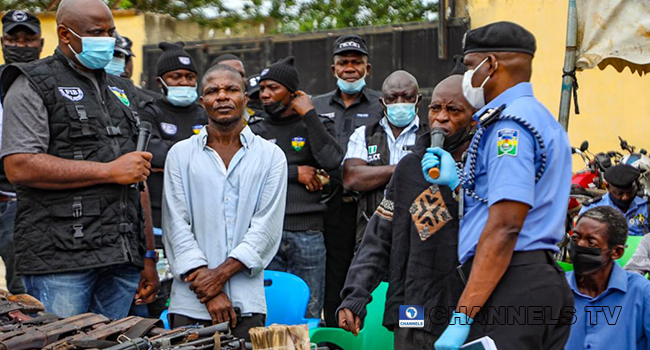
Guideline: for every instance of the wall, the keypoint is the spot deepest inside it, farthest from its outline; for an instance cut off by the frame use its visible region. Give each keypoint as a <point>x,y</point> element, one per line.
<point>128,23</point>
<point>611,103</point>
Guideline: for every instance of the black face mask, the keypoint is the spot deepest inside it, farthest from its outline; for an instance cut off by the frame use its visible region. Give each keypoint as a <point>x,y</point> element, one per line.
<point>275,109</point>
<point>457,139</point>
<point>585,260</point>
<point>18,54</point>
<point>623,205</point>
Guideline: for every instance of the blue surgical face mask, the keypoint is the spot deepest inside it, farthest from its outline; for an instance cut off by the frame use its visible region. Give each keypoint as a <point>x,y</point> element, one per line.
<point>181,96</point>
<point>351,88</point>
<point>116,66</point>
<point>400,114</point>
<point>96,52</point>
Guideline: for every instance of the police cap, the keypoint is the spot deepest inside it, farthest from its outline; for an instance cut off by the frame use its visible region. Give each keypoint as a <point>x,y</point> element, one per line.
<point>622,176</point>
<point>350,43</point>
<point>17,18</point>
<point>499,37</point>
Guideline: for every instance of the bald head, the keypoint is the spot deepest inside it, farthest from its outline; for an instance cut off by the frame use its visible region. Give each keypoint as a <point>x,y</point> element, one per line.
<point>400,79</point>
<point>449,109</point>
<point>74,10</point>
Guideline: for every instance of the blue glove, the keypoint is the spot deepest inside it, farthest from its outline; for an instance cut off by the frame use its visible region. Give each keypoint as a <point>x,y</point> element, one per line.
<point>438,157</point>
<point>456,333</point>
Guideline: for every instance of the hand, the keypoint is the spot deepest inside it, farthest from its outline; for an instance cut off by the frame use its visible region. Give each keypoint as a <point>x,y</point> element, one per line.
<point>349,321</point>
<point>149,283</point>
<point>456,333</point>
<point>206,283</point>
<point>302,103</point>
<point>308,176</point>
<point>130,168</point>
<point>221,310</point>
<point>438,157</point>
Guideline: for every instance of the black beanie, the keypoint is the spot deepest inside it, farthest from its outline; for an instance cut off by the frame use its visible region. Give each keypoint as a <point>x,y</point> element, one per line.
<point>173,58</point>
<point>282,72</point>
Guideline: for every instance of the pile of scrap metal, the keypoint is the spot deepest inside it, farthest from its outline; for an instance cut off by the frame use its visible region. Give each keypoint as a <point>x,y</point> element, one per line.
<point>25,325</point>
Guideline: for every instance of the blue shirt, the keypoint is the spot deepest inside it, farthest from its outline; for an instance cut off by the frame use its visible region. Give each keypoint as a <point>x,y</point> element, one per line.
<point>505,170</point>
<point>398,148</point>
<point>620,315</point>
<point>636,215</point>
<point>211,213</point>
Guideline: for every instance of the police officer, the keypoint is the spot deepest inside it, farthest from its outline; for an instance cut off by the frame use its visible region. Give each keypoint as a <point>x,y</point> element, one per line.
<point>308,142</point>
<point>350,105</point>
<point>374,150</point>
<point>515,191</point>
<point>21,42</point>
<point>622,188</point>
<point>175,116</point>
<point>70,132</point>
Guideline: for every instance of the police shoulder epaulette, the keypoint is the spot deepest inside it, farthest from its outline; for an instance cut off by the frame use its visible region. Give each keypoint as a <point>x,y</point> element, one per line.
<point>593,200</point>
<point>490,116</point>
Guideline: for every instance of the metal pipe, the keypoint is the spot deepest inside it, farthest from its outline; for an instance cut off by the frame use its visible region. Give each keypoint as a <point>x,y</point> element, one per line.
<point>569,65</point>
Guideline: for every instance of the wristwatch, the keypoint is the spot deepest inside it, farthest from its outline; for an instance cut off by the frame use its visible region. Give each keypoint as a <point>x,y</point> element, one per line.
<point>151,254</point>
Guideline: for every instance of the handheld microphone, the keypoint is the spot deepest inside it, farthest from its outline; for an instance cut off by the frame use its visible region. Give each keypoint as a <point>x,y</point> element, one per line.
<point>144,135</point>
<point>437,140</point>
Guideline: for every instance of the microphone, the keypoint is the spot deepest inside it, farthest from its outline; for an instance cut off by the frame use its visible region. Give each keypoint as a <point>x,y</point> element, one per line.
<point>437,140</point>
<point>144,135</point>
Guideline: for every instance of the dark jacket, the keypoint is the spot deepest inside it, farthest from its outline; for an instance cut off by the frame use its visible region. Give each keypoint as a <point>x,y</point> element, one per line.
<point>170,124</point>
<point>413,239</point>
<point>307,140</point>
<point>78,229</point>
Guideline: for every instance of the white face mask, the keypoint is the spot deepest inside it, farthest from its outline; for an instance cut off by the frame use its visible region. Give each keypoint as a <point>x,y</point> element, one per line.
<point>474,95</point>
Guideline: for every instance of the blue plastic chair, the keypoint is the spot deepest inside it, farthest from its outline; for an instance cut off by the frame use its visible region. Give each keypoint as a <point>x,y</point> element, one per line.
<point>287,297</point>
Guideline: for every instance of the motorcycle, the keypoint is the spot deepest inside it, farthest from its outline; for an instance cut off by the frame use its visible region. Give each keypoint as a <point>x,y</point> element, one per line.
<point>641,161</point>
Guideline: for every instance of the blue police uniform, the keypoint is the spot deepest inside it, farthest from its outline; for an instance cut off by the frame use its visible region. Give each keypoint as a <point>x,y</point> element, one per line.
<point>508,158</point>
<point>636,215</point>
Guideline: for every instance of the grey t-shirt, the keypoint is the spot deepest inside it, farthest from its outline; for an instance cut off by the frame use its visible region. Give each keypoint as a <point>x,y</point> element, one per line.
<point>25,120</point>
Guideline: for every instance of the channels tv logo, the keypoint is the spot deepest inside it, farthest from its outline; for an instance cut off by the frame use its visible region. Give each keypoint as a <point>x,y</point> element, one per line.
<point>411,316</point>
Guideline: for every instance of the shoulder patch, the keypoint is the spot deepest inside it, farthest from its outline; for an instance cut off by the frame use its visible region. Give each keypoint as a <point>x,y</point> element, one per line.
<point>429,212</point>
<point>121,95</point>
<point>507,142</point>
<point>169,129</point>
<point>73,94</point>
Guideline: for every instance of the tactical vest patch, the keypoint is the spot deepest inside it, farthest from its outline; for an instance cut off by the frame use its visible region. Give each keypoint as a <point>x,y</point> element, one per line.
<point>429,212</point>
<point>169,129</point>
<point>73,94</point>
<point>121,95</point>
<point>298,143</point>
<point>197,128</point>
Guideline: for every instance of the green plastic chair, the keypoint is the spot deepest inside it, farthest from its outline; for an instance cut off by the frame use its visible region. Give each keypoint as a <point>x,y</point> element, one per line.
<point>373,335</point>
<point>566,266</point>
<point>632,244</point>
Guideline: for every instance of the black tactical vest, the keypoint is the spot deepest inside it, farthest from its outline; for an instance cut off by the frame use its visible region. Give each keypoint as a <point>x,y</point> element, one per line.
<point>5,185</point>
<point>378,155</point>
<point>77,229</point>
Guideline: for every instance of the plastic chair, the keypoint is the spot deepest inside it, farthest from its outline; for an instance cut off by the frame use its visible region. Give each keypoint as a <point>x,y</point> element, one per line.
<point>632,244</point>
<point>566,266</point>
<point>287,297</point>
<point>372,336</point>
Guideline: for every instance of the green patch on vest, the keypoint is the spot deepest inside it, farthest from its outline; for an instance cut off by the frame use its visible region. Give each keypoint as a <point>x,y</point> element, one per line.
<point>120,95</point>
<point>298,143</point>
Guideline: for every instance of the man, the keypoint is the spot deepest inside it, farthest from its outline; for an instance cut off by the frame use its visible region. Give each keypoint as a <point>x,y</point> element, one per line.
<point>69,138</point>
<point>21,42</point>
<point>350,106</point>
<point>223,205</point>
<point>121,64</point>
<point>622,187</point>
<point>175,116</point>
<point>232,61</point>
<point>612,305</point>
<point>515,191</point>
<point>311,150</point>
<point>374,151</point>
<point>255,107</point>
<point>419,223</point>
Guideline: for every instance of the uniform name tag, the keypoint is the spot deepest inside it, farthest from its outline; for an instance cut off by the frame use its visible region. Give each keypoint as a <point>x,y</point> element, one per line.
<point>363,115</point>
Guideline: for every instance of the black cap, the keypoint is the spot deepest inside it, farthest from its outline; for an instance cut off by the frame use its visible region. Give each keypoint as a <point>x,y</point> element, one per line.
<point>622,176</point>
<point>17,18</point>
<point>173,58</point>
<point>253,84</point>
<point>282,72</point>
<point>348,43</point>
<point>123,45</point>
<point>499,37</point>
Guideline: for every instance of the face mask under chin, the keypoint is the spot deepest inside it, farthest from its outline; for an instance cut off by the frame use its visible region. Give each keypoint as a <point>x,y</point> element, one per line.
<point>275,109</point>
<point>458,138</point>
